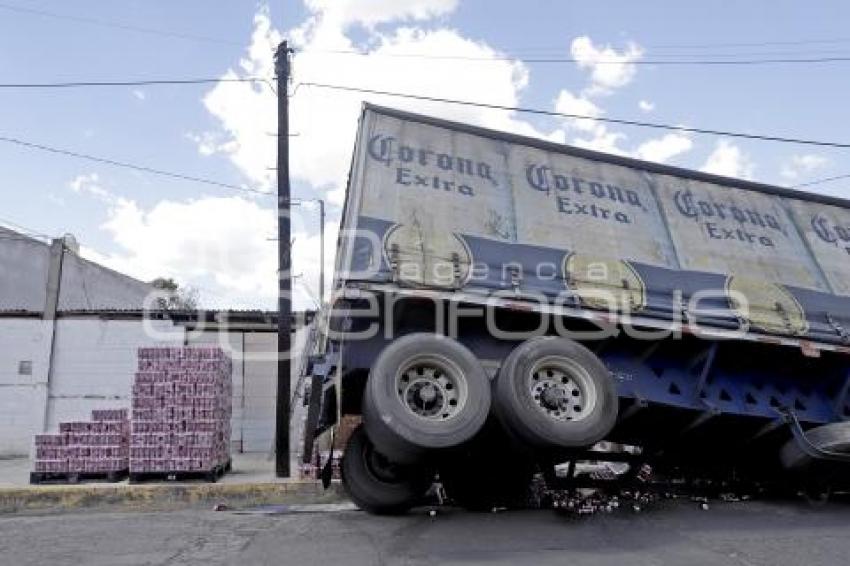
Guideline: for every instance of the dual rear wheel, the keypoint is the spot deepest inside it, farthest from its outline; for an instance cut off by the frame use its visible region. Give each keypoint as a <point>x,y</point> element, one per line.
<point>555,393</point>
<point>429,395</point>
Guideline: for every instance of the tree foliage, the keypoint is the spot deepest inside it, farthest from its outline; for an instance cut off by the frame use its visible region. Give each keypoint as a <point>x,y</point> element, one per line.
<point>175,297</point>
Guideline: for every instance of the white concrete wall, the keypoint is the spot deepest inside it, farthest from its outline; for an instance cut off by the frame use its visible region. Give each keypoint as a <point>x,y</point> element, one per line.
<point>94,366</point>
<point>95,363</point>
<point>22,397</point>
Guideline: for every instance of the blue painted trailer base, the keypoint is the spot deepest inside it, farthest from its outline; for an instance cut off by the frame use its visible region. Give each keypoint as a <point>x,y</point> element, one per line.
<point>724,397</point>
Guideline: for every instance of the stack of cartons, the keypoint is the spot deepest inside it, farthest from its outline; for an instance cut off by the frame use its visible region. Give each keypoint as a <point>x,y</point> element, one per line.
<point>95,449</point>
<point>182,404</point>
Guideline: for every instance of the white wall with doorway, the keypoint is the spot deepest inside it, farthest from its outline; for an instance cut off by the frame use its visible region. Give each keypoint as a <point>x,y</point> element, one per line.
<point>94,363</point>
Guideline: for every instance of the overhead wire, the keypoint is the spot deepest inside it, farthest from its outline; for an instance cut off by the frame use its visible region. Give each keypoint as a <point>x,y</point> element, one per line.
<point>542,112</point>
<point>211,39</point>
<point>133,166</point>
<point>139,82</point>
<point>117,25</point>
<point>821,181</point>
<point>751,43</point>
<point>349,88</point>
<point>23,229</point>
<point>695,46</point>
<point>583,61</point>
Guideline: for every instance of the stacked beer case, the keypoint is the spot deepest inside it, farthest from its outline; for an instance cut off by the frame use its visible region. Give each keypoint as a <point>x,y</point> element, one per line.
<point>96,449</point>
<point>182,404</point>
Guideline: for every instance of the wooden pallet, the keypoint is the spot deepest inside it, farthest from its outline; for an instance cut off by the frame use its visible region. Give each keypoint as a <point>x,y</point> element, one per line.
<point>37,478</point>
<point>211,476</point>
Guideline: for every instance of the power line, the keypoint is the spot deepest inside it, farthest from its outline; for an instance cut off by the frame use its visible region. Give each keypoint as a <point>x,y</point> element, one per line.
<point>151,82</point>
<point>684,56</point>
<point>574,60</point>
<point>23,231</point>
<point>751,44</point>
<point>664,46</point>
<point>116,25</point>
<point>219,40</point>
<point>132,166</point>
<point>820,181</point>
<point>580,116</point>
<point>222,41</point>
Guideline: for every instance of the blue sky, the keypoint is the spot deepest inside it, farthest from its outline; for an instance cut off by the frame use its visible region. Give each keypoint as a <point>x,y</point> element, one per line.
<point>219,240</point>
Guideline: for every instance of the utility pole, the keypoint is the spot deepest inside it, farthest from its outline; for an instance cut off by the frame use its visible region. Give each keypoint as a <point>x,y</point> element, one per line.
<point>321,253</point>
<point>284,319</point>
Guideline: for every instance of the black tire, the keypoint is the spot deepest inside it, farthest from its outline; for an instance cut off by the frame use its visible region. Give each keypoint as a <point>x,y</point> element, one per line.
<point>458,382</point>
<point>572,372</point>
<point>376,485</point>
<point>833,437</point>
<point>488,473</point>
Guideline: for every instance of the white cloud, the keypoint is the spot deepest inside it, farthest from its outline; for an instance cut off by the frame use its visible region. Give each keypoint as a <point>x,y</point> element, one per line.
<point>609,69</point>
<point>140,94</point>
<point>325,120</point>
<point>664,148</point>
<point>801,165</point>
<point>247,111</point>
<point>370,12</point>
<point>603,140</point>
<point>589,133</point>
<point>729,160</point>
<point>568,103</point>
<point>210,143</point>
<point>89,183</point>
<point>224,246</point>
<point>646,105</point>
<point>592,134</point>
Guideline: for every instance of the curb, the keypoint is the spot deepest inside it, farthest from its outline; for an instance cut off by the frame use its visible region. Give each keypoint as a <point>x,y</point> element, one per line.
<point>162,497</point>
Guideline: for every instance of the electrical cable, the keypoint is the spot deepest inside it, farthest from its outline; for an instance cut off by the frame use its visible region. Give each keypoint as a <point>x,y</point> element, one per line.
<point>143,82</point>
<point>574,60</point>
<point>127,165</point>
<point>116,25</point>
<point>14,226</point>
<point>542,112</point>
<point>209,39</point>
<point>820,181</point>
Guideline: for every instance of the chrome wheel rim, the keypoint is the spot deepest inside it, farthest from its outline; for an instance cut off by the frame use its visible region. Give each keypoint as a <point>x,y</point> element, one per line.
<point>431,387</point>
<point>561,389</point>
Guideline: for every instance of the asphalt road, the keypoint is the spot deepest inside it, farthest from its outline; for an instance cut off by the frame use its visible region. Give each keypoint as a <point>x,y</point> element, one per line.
<point>681,533</point>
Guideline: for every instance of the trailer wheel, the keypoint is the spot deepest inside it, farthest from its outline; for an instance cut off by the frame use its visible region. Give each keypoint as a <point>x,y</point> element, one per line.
<point>374,483</point>
<point>554,392</point>
<point>424,392</point>
<point>833,437</point>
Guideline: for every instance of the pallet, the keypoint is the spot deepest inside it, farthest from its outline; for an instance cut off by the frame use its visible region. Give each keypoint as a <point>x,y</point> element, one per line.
<point>38,478</point>
<point>210,476</point>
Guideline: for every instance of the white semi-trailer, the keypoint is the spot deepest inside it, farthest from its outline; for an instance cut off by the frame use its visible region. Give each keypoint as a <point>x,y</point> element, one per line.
<point>503,303</point>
